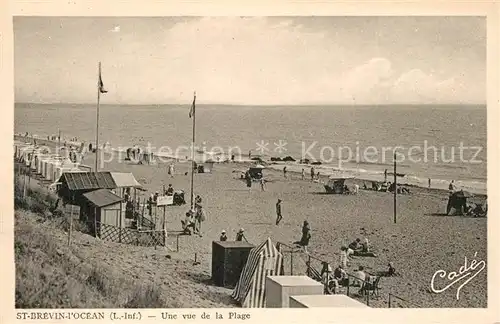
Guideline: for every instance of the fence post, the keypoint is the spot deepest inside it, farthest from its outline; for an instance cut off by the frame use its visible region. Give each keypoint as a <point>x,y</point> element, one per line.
<point>367,297</point>
<point>177,243</point>
<point>291,262</point>
<point>389,300</point>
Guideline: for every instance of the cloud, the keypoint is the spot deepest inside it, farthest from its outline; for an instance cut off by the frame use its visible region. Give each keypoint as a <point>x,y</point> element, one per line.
<point>235,60</point>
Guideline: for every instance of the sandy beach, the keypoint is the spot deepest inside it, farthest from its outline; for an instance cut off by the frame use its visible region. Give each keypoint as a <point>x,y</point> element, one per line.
<point>422,241</point>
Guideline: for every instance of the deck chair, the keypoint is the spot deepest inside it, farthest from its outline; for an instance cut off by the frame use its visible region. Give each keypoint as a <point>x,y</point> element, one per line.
<point>371,287</point>
<point>316,275</point>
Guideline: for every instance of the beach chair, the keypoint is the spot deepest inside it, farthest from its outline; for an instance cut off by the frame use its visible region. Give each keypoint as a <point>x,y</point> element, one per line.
<point>371,287</point>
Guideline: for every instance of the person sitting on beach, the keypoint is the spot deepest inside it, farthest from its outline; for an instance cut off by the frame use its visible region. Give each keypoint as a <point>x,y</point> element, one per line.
<point>223,236</point>
<point>356,245</point>
<point>330,283</point>
<point>340,275</point>
<point>360,276</point>
<point>240,236</point>
<point>365,250</point>
<point>188,223</point>
<point>170,190</point>
<point>391,271</point>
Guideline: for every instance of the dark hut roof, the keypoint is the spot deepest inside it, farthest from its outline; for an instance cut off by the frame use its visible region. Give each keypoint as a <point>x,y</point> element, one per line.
<point>102,197</point>
<point>88,180</point>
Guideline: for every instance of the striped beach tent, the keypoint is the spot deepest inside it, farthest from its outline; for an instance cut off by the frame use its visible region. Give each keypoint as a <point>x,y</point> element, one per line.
<point>264,260</point>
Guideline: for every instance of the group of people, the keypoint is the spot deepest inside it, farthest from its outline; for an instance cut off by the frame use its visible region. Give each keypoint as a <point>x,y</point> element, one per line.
<point>194,218</point>
<point>339,277</point>
<point>240,236</point>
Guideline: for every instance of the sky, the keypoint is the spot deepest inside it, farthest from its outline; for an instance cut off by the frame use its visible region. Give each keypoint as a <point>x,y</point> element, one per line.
<point>251,60</point>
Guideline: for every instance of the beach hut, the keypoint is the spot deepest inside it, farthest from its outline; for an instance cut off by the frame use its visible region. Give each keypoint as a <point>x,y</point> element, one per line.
<point>457,202</point>
<point>336,185</point>
<point>255,172</point>
<point>74,184</point>
<point>102,207</point>
<point>264,260</point>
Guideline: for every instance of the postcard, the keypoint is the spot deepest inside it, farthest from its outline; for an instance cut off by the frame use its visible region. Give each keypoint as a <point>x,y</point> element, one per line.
<point>221,162</point>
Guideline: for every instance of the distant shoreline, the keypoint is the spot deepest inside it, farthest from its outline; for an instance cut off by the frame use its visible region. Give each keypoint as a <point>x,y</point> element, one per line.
<point>188,104</point>
<point>295,168</point>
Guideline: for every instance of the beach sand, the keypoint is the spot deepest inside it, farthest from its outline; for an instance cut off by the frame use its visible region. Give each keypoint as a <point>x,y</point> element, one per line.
<point>422,241</point>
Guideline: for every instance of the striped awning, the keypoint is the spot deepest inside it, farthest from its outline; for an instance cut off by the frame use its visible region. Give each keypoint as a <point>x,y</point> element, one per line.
<point>264,260</point>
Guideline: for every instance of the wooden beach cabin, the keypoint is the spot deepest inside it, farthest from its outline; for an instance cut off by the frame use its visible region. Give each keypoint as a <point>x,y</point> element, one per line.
<point>102,210</point>
<point>74,184</point>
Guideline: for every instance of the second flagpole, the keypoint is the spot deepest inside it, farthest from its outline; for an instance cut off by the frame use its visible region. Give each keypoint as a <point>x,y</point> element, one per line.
<point>97,119</point>
<point>192,151</point>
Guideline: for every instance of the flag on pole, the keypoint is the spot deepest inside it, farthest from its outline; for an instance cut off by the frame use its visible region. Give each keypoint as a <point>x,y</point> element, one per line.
<point>191,111</point>
<point>101,84</point>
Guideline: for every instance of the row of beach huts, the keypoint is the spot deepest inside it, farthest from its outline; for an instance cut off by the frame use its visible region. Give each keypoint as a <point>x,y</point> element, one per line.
<point>50,166</point>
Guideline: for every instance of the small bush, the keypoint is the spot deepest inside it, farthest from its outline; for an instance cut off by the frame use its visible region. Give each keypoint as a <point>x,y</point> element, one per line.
<point>145,297</point>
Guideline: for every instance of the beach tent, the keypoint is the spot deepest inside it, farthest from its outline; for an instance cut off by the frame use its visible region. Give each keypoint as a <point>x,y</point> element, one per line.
<point>457,202</point>
<point>255,172</point>
<point>336,184</point>
<point>264,260</point>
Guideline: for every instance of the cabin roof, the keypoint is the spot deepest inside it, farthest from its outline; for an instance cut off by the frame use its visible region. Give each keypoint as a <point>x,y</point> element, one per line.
<point>102,197</point>
<point>88,180</point>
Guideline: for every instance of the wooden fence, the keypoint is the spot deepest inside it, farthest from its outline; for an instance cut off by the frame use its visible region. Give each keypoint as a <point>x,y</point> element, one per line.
<point>146,238</point>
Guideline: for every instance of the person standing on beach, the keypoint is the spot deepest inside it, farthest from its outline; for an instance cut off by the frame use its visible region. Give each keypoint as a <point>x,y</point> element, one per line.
<point>385,175</point>
<point>284,172</point>
<point>171,170</point>
<point>263,184</point>
<point>306,236</point>
<point>240,236</point>
<point>429,183</point>
<point>303,174</point>
<point>452,187</point>
<point>312,173</point>
<point>278,212</point>
<point>199,218</point>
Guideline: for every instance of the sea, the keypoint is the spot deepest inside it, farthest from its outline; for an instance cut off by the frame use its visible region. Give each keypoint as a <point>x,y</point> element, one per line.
<point>441,143</point>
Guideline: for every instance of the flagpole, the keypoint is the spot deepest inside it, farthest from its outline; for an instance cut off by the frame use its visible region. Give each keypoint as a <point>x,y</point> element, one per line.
<point>97,119</point>
<point>192,151</point>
